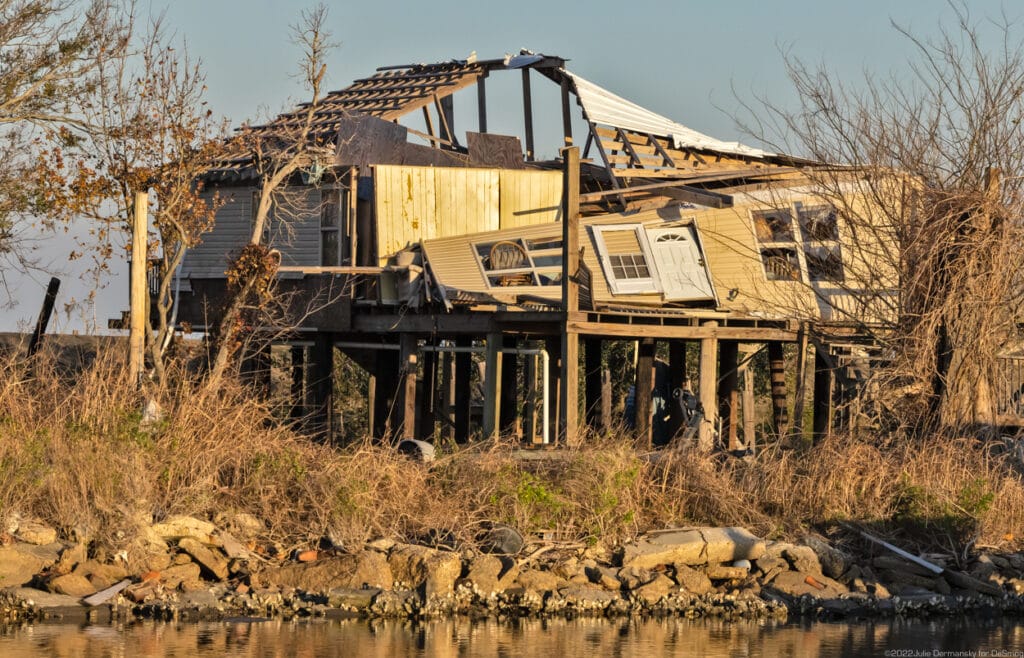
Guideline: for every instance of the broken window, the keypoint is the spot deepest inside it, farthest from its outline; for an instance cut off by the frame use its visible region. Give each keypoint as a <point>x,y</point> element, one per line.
<point>625,258</point>
<point>333,243</point>
<point>521,261</point>
<point>807,252</point>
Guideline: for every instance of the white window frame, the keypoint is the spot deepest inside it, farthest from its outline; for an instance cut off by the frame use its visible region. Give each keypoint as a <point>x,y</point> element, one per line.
<point>650,284</point>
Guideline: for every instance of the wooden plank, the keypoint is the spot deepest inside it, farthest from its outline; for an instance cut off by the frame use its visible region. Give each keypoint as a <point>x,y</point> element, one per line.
<point>566,116</point>
<point>490,150</point>
<point>633,155</point>
<point>604,158</point>
<point>751,334</point>
<point>660,149</point>
<point>429,121</point>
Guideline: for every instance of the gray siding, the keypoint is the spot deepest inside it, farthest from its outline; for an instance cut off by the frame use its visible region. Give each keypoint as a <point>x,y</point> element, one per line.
<point>294,230</point>
<point>231,230</point>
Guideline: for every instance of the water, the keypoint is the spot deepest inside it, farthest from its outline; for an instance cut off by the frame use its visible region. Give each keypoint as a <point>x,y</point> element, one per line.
<point>523,638</point>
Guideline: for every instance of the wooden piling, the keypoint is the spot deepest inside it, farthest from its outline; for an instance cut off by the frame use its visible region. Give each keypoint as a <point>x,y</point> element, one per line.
<point>643,388</point>
<point>138,290</point>
<point>708,380</point>
<point>777,374</point>
<point>728,393</point>
<point>463,395</point>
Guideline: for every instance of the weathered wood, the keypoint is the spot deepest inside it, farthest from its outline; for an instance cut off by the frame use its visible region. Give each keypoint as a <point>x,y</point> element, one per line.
<point>823,378</point>
<point>405,403</point>
<point>592,382</point>
<point>491,150</point>
<point>800,400</point>
<point>643,379</point>
<point>492,386</point>
<point>447,396</point>
<point>530,401</point>
<point>528,116</point>
<point>728,393</point>
<point>676,383</point>
<point>138,290</point>
<point>463,395</point>
<point>708,379</point>
<point>606,401</point>
<point>44,316</point>
<point>777,374</point>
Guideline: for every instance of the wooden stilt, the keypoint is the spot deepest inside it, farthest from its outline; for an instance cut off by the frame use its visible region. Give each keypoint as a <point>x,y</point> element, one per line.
<point>386,381</point>
<point>530,399</point>
<point>592,382</point>
<point>298,392</point>
<point>569,391</point>
<point>138,291</point>
<point>321,384</point>
<point>728,393</point>
<point>823,378</point>
<point>644,387</point>
<point>463,397</point>
<point>708,390</point>
<point>800,397</point>
<point>492,386</point>
<point>447,396</point>
<point>777,373</point>
<point>427,396</point>
<point>606,401</point>
<point>749,414</point>
<point>553,345</point>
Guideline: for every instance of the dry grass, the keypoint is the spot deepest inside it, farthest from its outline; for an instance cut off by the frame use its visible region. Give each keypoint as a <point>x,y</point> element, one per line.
<point>74,453</point>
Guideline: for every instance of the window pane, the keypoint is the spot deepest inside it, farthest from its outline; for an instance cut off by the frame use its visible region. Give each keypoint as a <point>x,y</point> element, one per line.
<point>819,223</point>
<point>773,226</point>
<point>780,264</point>
<point>824,264</point>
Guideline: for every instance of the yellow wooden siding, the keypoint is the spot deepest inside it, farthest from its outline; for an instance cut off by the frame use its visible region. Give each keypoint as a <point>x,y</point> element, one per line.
<point>529,197</point>
<point>422,203</point>
<point>621,242</point>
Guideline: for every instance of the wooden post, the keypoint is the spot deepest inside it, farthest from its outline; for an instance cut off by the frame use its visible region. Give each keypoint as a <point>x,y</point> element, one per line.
<point>592,382</point>
<point>777,372</point>
<point>708,389</point>
<point>643,380</point>
<point>405,402</point>
<point>492,386</point>
<point>427,394</point>
<point>606,401</point>
<point>749,415</point>
<point>797,429</point>
<point>508,415</point>
<point>385,385</point>
<point>822,395</point>
<point>728,393</point>
<point>139,291</point>
<point>463,396</point>
<point>528,115</point>
<point>569,392</point>
<point>44,316</point>
<point>448,396</point>
<point>676,382</point>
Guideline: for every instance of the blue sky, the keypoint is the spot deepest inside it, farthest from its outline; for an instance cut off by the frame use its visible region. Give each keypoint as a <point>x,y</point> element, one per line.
<point>687,60</point>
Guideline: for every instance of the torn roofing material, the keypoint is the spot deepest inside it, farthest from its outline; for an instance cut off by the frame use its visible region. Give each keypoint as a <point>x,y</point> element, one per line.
<point>602,106</point>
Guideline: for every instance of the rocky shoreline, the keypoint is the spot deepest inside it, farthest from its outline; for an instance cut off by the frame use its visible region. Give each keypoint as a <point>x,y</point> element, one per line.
<point>190,569</point>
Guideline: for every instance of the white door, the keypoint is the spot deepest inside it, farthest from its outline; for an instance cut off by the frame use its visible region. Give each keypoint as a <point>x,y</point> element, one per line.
<point>681,268</point>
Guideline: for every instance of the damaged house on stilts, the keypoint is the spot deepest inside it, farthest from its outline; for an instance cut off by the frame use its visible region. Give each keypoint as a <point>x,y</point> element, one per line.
<point>419,251</point>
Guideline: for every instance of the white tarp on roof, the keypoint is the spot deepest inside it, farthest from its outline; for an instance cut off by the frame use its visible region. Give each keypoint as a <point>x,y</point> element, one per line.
<point>604,107</point>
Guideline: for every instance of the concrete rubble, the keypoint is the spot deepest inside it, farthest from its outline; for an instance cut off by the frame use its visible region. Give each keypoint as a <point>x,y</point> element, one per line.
<point>207,573</point>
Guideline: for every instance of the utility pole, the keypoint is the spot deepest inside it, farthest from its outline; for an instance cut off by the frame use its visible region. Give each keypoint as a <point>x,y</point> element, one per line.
<point>138,289</point>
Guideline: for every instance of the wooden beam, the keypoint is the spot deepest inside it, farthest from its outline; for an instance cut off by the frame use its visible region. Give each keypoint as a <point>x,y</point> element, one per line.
<point>643,379</point>
<point>777,373</point>
<point>569,395</point>
<point>528,116</point>
<point>708,380</point>
<point>661,150</point>
<point>429,121</point>
<point>566,115</point>
<point>728,393</point>
<point>700,197</point>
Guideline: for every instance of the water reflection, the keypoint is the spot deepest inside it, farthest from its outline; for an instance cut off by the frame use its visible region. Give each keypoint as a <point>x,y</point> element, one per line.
<point>533,637</point>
